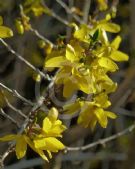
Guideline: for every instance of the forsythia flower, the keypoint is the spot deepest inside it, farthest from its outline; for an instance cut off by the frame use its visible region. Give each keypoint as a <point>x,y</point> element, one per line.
<point>92,112</point>
<point>84,64</point>
<point>4,31</point>
<point>40,139</point>
<point>51,128</point>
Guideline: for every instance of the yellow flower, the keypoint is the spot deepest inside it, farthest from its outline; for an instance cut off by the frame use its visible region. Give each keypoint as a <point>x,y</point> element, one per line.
<point>91,112</point>
<point>51,129</point>
<point>5,32</point>
<point>21,142</point>
<point>110,53</point>
<point>39,139</point>
<point>70,66</point>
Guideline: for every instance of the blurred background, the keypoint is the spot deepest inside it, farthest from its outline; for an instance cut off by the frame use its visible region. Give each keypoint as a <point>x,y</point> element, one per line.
<point>117,154</point>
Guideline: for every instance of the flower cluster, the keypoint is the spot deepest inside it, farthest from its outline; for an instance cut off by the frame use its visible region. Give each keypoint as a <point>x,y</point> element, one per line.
<point>40,138</point>
<point>84,64</point>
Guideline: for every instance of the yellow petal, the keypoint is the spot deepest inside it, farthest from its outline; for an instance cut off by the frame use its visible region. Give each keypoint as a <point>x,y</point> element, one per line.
<point>49,153</point>
<point>52,144</point>
<point>72,108</point>
<point>40,152</point>
<point>56,131</point>
<point>55,62</point>
<point>84,83</point>
<point>116,42</point>
<point>70,53</point>
<point>108,64</point>
<point>40,143</point>
<point>46,125</point>
<point>118,56</point>
<point>110,27</point>
<point>42,155</point>
<point>8,137</point>
<point>5,32</point>
<point>69,88</point>
<point>102,99</point>
<point>81,33</point>
<point>111,115</point>
<point>101,116</point>
<point>21,147</point>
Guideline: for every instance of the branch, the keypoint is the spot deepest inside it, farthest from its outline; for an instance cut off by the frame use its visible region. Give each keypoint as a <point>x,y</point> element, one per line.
<point>25,124</point>
<point>16,94</point>
<point>12,107</point>
<point>3,157</point>
<point>9,117</point>
<point>25,61</point>
<point>86,10</point>
<point>42,37</point>
<point>102,141</point>
<point>69,11</point>
<point>53,14</point>
<point>65,22</point>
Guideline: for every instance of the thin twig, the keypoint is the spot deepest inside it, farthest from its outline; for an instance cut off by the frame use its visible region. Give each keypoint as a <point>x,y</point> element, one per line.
<point>34,30</point>
<point>69,11</point>
<point>9,117</point>
<point>12,107</point>
<point>42,37</point>
<point>24,125</point>
<point>86,10</point>
<point>3,157</point>
<point>16,94</point>
<point>53,14</point>
<point>25,61</point>
<point>65,22</point>
<point>102,141</point>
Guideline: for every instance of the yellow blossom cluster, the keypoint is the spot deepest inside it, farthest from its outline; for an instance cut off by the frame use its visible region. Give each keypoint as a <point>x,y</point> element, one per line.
<point>84,64</point>
<point>40,138</point>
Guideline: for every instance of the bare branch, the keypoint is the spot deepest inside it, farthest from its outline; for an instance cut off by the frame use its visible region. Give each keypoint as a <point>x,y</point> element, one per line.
<point>102,141</point>
<point>9,117</point>
<point>42,37</point>
<point>12,107</point>
<point>65,22</point>
<point>16,94</point>
<point>69,11</point>
<point>25,61</point>
<point>86,9</point>
<point>6,153</point>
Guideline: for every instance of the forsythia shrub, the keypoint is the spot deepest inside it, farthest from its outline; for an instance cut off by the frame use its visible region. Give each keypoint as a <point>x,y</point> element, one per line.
<point>83,64</point>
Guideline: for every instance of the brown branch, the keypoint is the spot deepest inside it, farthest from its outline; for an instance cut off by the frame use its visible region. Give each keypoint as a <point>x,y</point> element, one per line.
<point>42,37</point>
<point>12,107</point>
<point>16,94</point>
<point>45,76</point>
<point>2,112</point>
<point>102,141</point>
<point>69,11</point>
<point>86,10</point>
